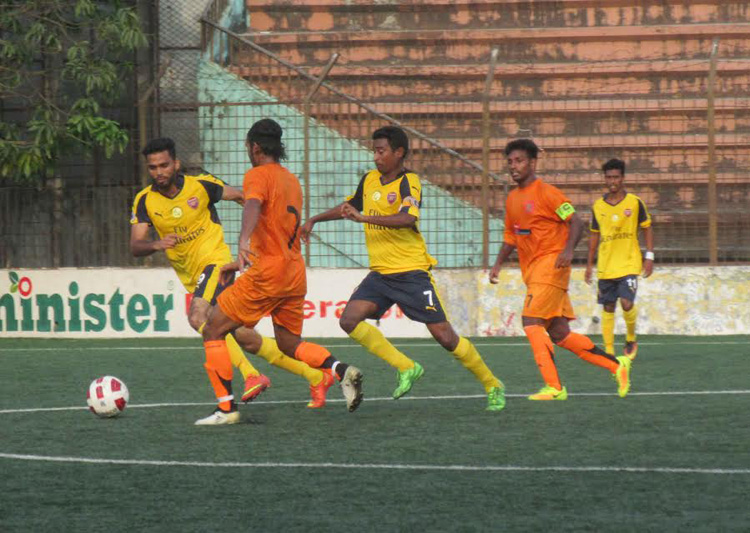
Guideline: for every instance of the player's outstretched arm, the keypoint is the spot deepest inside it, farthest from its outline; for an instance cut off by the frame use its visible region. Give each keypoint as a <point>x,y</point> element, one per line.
<point>648,264</point>
<point>398,220</point>
<point>593,248</point>
<point>502,257</point>
<point>233,195</point>
<point>141,245</point>
<point>332,214</point>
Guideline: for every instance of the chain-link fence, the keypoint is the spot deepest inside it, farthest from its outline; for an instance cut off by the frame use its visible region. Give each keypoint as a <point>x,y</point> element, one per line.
<point>587,82</point>
<point>654,103</point>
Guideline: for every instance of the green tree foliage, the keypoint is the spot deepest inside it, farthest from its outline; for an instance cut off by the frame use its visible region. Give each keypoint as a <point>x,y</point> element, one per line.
<point>60,62</point>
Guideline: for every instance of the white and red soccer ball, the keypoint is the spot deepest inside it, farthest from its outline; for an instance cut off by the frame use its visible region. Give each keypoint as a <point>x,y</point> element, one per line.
<point>107,396</point>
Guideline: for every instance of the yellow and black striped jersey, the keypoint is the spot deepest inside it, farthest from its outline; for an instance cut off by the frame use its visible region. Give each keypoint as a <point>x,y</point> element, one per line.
<point>192,216</point>
<point>392,250</point>
<point>619,250</point>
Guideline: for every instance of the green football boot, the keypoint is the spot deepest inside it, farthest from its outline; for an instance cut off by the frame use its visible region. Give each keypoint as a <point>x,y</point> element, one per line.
<point>547,393</point>
<point>623,375</point>
<point>406,379</point>
<point>496,399</point>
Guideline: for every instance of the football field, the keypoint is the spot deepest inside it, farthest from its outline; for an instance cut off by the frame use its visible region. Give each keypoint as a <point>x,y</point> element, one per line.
<point>674,455</point>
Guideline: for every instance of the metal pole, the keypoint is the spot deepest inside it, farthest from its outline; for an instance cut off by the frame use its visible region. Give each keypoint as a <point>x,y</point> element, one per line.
<point>486,159</point>
<point>713,252</point>
<point>306,132</point>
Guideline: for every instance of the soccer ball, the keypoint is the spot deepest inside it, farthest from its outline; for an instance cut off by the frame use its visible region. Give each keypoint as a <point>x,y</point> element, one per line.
<point>107,396</point>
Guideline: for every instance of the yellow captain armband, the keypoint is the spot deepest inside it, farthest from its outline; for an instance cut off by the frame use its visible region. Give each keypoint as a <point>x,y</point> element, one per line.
<point>565,211</point>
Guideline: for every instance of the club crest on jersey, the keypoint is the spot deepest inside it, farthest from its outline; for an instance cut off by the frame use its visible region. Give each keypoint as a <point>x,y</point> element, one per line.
<point>391,197</point>
<point>193,202</point>
<point>376,195</point>
<point>529,207</point>
<point>628,212</point>
<point>176,212</point>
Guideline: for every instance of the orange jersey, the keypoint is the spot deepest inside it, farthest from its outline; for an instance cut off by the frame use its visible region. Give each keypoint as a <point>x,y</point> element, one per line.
<point>278,268</point>
<point>535,223</point>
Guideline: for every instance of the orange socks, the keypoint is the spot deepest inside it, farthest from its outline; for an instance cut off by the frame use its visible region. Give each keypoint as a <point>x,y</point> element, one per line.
<point>219,369</point>
<point>584,348</point>
<point>311,353</point>
<point>544,354</point>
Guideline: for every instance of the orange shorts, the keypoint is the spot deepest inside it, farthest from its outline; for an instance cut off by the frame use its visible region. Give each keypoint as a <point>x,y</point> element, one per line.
<point>248,309</point>
<point>547,301</point>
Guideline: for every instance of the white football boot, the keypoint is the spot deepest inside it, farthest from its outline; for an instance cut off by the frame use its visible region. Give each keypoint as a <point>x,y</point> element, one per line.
<point>351,386</point>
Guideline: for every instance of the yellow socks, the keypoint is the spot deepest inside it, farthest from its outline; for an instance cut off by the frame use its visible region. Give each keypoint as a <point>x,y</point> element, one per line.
<point>468,355</point>
<point>630,319</point>
<point>608,331</point>
<point>237,356</point>
<point>269,351</point>
<point>371,338</point>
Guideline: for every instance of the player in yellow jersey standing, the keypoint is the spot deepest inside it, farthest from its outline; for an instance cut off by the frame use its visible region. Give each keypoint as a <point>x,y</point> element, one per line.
<point>181,208</point>
<point>615,220</point>
<point>387,203</point>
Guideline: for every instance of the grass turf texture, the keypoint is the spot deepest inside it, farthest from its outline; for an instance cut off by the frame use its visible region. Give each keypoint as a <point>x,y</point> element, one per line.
<point>648,431</point>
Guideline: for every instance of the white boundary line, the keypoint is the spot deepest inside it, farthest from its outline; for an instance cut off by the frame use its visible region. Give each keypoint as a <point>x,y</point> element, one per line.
<point>371,466</point>
<point>377,399</point>
<point>401,344</point>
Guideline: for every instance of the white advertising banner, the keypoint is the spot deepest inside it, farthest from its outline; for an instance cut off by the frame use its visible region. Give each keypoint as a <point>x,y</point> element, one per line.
<point>137,302</point>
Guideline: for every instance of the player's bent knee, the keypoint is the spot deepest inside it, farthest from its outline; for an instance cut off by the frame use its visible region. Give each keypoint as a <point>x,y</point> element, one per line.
<point>248,339</point>
<point>196,321</point>
<point>348,323</point>
<point>444,334</point>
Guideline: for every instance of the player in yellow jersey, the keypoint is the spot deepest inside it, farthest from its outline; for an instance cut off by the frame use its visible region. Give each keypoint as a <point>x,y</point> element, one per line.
<point>615,220</point>
<point>182,210</point>
<point>387,203</point>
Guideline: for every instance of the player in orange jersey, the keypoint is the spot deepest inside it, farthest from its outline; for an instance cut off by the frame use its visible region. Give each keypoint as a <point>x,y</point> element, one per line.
<point>273,279</point>
<point>182,211</point>
<point>542,225</point>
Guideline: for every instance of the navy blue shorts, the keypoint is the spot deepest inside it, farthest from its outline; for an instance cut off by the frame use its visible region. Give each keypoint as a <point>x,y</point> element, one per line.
<point>209,285</point>
<point>413,291</point>
<point>612,289</point>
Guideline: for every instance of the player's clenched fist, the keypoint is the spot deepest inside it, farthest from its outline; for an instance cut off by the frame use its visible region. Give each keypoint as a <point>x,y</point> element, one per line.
<point>167,242</point>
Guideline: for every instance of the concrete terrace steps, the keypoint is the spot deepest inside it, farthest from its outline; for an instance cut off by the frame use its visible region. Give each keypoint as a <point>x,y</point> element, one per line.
<point>588,179</point>
<point>588,79</point>
<point>515,45</point>
<point>596,33</point>
<point>467,121</point>
<point>547,107</point>
<point>337,15</point>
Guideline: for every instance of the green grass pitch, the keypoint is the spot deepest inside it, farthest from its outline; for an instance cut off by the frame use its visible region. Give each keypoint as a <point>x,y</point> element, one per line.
<point>672,456</point>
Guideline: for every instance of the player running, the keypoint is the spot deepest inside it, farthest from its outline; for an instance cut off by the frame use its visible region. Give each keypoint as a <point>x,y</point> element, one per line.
<point>273,279</point>
<point>387,203</point>
<point>181,208</point>
<point>615,219</point>
<point>543,226</point>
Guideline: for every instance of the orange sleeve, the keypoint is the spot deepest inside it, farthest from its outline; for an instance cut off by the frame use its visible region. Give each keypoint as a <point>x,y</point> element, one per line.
<point>255,185</point>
